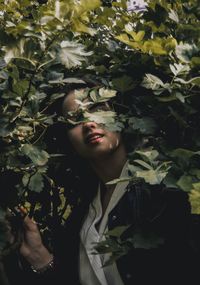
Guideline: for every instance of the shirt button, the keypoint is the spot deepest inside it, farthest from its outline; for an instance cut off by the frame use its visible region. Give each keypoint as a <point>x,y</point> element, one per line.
<point>128,275</point>
<point>114,218</point>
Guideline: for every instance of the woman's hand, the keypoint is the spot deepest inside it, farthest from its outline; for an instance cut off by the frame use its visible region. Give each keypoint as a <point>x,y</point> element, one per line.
<point>32,248</point>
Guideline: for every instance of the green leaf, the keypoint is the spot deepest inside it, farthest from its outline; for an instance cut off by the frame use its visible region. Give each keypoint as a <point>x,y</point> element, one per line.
<point>39,157</point>
<point>87,5</point>
<point>72,54</point>
<point>185,51</point>
<point>149,154</point>
<point>182,156</point>
<point>152,82</point>
<point>174,16</point>
<point>195,61</point>
<point>25,63</point>
<point>143,164</point>
<point>136,36</point>
<point>93,96</point>
<point>118,180</point>
<point>145,125</point>
<point>194,197</point>
<point>106,94</point>
<point>21,87</point>
<point>125,39</point>
<point>196,186</point>
<point>195,172</point>
<point>68,80</point>
<point>159,46</point>
<point>79,26</point>
<point>195,81</point>
<point>123,83</point>
<point>179,68</point>
<point>179,96</point>
<point>101,117</point>
<point>5,128</point>
<point>57,96</point>
<point>34,182</point>
<point>185,182</point>
<point>117,231</point>
<point>151,176</point>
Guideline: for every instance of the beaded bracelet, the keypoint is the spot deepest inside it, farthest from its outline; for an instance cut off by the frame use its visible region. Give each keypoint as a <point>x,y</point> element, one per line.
<point>44,269</point>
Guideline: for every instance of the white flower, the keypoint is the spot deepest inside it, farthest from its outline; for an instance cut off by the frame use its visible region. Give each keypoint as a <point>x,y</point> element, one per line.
<point>72,54</point>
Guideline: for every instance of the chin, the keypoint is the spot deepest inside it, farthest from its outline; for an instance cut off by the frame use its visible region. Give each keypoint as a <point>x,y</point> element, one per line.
<point>101,153</point>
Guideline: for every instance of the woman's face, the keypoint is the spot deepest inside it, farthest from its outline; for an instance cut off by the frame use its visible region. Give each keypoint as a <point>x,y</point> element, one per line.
<point>90,140</point>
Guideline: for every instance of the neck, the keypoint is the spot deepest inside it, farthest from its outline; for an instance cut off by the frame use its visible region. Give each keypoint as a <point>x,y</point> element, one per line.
<point>109,167</point>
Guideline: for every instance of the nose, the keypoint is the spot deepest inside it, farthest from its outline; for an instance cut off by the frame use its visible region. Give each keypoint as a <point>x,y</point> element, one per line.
<point>89,125</point>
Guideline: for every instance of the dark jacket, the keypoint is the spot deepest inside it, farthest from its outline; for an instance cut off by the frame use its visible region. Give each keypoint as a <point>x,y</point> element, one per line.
<point>155,212</point>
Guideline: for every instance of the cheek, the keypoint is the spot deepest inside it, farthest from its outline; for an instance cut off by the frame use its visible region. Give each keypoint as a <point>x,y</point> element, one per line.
<point>75,136</point>
<point>115,139</point>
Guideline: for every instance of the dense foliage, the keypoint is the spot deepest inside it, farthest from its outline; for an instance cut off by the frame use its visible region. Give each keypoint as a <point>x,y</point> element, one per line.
<point>150,56</point>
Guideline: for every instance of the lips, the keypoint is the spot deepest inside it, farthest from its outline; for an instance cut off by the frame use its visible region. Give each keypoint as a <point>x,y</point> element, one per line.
<point>93,138</point>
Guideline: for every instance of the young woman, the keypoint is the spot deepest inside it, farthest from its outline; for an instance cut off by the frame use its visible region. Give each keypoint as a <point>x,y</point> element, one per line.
<point>162,215</point>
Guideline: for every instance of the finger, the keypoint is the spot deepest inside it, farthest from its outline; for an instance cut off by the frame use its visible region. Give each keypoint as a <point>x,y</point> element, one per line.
<point>23,210</point>
<point>18,211</point>
<point>10,235</point>
<point>9,213</point>
<point>30,224</point>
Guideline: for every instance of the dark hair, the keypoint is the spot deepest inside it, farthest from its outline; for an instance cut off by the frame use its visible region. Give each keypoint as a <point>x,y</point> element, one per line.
<point>71,172</point>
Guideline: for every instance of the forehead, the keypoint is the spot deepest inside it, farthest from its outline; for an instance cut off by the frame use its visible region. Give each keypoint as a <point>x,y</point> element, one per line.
<point>69,103</point>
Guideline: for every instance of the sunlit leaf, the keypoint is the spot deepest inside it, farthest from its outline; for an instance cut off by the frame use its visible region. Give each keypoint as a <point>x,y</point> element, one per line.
<point>101,117</point>
<point>185,51</point>
<point>151,176</point>
<point>185,182</point>
<point>173,16</point>
<point>152,82</point>
<point>194,197</point>
<point>72,54</point>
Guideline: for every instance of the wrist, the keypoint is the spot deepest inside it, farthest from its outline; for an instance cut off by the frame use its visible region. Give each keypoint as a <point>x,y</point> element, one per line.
<point>45,268</point>
<point>39,258</point>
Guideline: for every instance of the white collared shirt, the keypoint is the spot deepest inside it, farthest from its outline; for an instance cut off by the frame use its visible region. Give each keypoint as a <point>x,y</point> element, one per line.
<point>91,270</point>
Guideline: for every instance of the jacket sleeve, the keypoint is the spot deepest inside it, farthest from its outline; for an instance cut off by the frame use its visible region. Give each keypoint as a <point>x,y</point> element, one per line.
<point>65,266</point>
<point>19,272</point>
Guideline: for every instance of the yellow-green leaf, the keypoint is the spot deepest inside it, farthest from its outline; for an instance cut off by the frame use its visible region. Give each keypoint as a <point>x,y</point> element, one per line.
<point>87,5</point>
<point>194,197</point>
